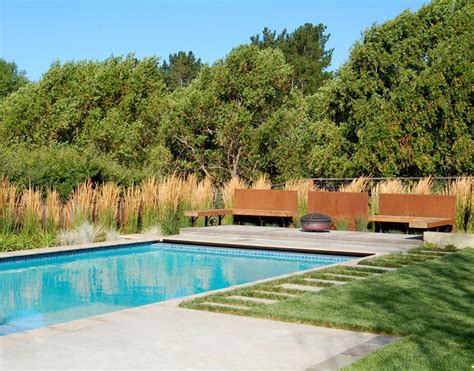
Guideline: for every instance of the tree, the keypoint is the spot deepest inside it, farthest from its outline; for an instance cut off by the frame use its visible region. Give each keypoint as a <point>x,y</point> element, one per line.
<point>305,50</point>
<point>402,100</point>
<point>10,78</point>
<point>180,69</point>
<point>214,125</point>
<point>111,105</point>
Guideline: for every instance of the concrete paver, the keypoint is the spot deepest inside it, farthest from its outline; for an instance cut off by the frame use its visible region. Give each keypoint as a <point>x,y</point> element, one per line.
<point>291,286</point>
<point>254,300</point>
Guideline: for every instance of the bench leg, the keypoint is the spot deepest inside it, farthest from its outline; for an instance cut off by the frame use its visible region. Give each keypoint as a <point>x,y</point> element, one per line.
<point>206,221</point>
<point>219,219</point>
<point>193,221</point>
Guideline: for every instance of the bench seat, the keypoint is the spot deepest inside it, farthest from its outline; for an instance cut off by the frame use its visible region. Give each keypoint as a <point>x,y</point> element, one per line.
<point>220,213</point>
<point>414,221</point>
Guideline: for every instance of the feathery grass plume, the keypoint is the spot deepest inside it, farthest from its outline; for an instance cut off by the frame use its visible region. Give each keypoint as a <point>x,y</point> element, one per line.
<point>462,189</point>
<point>107,204</point>
<point>8,198</point>
<point>423,187</point>
<point>188,188</point>
<point>80,207</point>
<point>227,191</point>
<point>302,186</point>
<point>150,206</point>
<point>171,198</point>
<point>386,186</point>
<point>263,182</point>
<point>131,210</point>
<point>31,211</point>
<point>360,184</point>
<point>203,197</point>
<point>52,211</point>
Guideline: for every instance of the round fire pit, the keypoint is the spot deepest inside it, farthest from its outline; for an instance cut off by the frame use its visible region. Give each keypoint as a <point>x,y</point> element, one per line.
<point>316,222</point>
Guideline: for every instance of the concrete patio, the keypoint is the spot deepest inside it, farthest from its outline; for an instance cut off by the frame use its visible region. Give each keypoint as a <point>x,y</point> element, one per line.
<point>159,336</point>
<point>339,242</point>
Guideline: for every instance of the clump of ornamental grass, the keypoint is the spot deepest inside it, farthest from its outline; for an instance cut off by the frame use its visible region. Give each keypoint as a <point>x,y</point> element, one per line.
<point>227,191</point>
<point>8,199</point>
<point>132,204</point>
<point>171,198</point>
<point>52,211</point>
<point>203,197</point>
<point>31,211</point>
<point>302,187</point>
<point>360,184</point>
<point>80,207</point>
<point>83,233</point>
<point>262,182</point>
<point>341,224</point>
<point>361,224</point>
<point>106,206</point>
<point>462,189</point>
<point>150,203</point>
<point>423,187</point>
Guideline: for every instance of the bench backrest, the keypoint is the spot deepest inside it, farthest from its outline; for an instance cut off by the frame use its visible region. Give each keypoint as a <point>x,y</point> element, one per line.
<point>263,199</point>
<point>435,206</point>
<point>347,205</point>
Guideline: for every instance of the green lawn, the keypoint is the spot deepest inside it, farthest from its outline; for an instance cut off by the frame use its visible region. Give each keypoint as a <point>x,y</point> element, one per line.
<point>429,303</point>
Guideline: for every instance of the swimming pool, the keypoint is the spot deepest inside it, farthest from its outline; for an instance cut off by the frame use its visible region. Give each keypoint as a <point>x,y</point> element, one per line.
<point>38,291</point>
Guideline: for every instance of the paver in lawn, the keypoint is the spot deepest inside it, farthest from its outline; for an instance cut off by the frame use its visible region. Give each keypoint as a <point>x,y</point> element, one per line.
<point>292,286</point>
<point>335,275</point>
<point>225,306</point>
<point>283,295</point>
<point>254,300</point>
<point>320,280</point>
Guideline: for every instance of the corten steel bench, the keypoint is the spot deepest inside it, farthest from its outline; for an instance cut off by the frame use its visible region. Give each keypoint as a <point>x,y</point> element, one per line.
<point>254,203</point>
<point>340,205</point>
<point>416,211</point>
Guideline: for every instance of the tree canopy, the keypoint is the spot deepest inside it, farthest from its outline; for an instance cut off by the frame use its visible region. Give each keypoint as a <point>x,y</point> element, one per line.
<point>305,49</point>
<point>180,69</point>
<point>11,79</point>
<point>401,105</point>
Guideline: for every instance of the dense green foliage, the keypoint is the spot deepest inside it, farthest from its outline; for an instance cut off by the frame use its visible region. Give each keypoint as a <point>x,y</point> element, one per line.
<point>10,78</point>
<point>305,49</point>
<point>400,106</point>
<point>180,69</point>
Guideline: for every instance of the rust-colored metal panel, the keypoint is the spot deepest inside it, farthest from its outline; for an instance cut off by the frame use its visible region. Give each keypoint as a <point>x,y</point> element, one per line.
<point>435,206</point>
<point>347,205</point>
<point>262,199</point>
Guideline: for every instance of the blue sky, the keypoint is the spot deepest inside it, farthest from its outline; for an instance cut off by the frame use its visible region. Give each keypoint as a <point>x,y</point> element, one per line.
<point>34,33</point>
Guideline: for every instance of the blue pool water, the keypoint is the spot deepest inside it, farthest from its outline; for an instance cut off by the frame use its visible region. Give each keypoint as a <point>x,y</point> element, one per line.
<point>42,290</point>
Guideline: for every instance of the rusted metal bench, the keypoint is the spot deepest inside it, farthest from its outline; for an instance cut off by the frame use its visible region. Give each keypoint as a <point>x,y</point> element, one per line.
<point>340,205</point>
<point>416,211</point>
<point>253,203</point>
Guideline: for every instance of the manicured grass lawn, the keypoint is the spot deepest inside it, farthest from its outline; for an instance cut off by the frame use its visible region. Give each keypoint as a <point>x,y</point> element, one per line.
<point>429,303</point>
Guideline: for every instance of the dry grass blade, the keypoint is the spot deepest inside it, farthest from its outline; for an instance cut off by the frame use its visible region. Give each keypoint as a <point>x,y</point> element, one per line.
<point>263,182</point>
<point>150,206</point>
<point>203,197</point>
<point>360,184</point>
<point>53,210</point>
<point>107,205</point>
<point>8,199</point>
<point>462,189</point>
<point>423,187</point>
<point>80,206</point>
<point>131,210</point>
<point>228,189</point>
<point>31,210</point>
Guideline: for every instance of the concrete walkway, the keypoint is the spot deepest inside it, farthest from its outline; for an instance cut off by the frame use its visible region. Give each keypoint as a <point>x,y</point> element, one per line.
<point>162,337</point>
